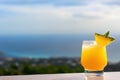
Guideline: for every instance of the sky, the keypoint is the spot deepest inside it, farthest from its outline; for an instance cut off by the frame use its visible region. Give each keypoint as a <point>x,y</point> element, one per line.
<point>21,17</point>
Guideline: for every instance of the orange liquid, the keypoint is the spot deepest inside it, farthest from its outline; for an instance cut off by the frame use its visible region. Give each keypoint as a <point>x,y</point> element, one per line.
<point>94,57</point>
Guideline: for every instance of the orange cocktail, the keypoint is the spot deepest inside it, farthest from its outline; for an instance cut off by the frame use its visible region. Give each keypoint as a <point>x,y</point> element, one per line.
<point>93,56</point>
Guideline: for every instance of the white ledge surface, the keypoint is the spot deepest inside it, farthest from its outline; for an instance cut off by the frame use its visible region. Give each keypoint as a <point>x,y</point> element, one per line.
<point>68,76</point>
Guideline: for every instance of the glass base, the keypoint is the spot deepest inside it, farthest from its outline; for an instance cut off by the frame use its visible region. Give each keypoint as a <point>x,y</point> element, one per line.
<point>93,73</point>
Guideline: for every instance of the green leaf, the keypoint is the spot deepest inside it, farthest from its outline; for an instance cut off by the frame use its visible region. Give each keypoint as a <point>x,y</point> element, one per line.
<point>106,34</point>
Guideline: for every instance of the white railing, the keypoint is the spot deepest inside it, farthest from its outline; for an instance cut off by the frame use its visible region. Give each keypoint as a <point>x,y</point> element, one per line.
<point>68,76</point>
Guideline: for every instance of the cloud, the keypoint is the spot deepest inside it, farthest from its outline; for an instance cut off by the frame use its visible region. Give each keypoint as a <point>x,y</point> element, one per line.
<point>49,18</point>
<point>91,10</point>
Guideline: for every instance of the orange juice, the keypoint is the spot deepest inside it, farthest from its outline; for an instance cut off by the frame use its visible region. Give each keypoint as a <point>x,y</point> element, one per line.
<point>93,56</point>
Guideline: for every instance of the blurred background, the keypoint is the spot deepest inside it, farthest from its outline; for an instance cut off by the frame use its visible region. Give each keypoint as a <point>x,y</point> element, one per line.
<point>45,36</point>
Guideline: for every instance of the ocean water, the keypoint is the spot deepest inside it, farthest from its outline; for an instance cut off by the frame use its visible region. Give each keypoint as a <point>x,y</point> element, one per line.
<point>45,46</point>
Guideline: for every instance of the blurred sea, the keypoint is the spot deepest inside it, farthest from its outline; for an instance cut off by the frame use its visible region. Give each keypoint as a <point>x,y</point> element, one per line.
<point>45,46</point>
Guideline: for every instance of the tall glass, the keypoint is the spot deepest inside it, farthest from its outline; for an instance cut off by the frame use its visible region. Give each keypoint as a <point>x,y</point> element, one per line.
<point>93,58</point>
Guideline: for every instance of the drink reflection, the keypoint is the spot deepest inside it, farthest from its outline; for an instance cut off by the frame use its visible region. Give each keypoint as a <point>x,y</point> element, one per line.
<point>89,77</point>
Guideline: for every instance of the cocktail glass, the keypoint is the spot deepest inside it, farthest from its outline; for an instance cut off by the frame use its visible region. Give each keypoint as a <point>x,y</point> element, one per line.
<point>93,58</point>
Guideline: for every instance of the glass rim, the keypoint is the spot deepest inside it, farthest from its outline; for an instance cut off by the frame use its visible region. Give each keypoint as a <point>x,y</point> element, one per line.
<point>88,41</point>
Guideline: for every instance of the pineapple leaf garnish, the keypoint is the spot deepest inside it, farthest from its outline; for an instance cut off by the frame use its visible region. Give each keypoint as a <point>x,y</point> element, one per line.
<point>106,34</point>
